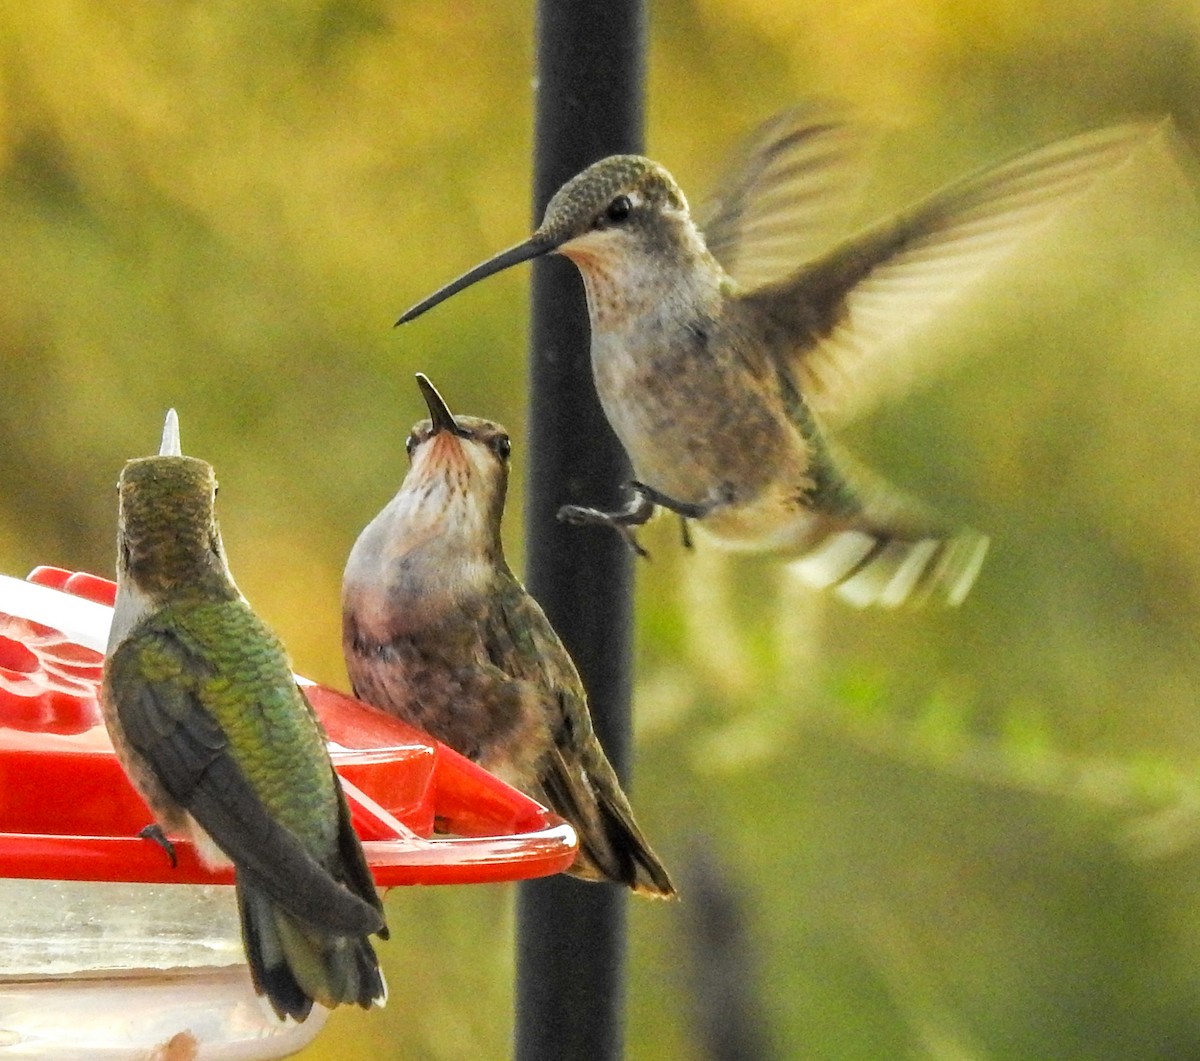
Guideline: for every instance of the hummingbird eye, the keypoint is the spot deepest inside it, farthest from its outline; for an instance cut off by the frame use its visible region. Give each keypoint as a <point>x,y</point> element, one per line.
<point>619,209</point>
<point>503,447</point>
<point>410,445</point>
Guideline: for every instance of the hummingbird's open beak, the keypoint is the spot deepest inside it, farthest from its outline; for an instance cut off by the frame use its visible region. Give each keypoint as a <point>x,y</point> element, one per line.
<point>534,247</point>
<point>439,411</point>
<point>170,441</point>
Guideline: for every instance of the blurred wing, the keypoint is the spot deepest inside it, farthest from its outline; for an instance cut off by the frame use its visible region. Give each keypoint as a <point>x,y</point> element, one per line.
<point>787,195</point>
<point>892,278</point>
<point>168,725</point>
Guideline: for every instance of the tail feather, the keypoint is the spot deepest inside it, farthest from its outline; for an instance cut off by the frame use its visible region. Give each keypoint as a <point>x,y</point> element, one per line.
<point>872,544</point>
<point>639,866</point>
<point>611,846</point>
<point>270,970</point>
<point>294,964</point>
<point>873,567</point>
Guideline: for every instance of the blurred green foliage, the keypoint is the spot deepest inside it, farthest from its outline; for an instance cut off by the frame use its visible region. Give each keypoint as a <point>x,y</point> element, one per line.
<point>959,836</point>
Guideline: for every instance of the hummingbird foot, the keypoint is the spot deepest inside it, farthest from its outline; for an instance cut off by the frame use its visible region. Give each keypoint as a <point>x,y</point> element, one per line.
<point>722,495</point>
<point>642,503</point>
<point>579,516</point>
<point>154,832</point>
<point>639,509</point>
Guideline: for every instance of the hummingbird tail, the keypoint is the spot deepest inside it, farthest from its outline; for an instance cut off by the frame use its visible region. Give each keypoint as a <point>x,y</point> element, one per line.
<point>870,566</point>
<point>295,964</point>
<point>625,855</point>
<point>611,846</point>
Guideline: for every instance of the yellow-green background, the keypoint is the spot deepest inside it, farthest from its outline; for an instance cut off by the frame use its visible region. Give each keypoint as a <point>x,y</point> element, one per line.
<point>959,836</point>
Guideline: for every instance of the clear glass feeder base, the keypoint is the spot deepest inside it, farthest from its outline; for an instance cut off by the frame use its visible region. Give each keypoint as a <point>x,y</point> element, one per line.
<point>132,972</point>
<point>195,1016</point>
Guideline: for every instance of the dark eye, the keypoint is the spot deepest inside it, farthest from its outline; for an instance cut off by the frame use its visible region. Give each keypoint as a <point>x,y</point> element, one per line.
<point>618,209</point>
<point>502,446</point>
<point>410,445</point>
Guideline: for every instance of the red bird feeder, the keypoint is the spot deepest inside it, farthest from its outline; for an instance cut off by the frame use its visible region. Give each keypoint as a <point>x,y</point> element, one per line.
<point>68,815</point>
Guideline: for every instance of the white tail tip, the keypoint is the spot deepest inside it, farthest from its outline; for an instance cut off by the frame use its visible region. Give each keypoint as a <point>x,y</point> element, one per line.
<point>865,569</point>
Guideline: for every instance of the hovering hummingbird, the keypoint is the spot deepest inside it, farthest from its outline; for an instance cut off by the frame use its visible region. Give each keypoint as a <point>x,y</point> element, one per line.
<point>723,353</point>
<point>437,630</point>
<point>206,718</point>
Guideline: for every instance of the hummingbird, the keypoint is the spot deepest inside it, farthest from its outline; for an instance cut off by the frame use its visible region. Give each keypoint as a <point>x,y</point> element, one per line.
<point>725,352</point>
<point>209,724</point>
<point>437,630</point>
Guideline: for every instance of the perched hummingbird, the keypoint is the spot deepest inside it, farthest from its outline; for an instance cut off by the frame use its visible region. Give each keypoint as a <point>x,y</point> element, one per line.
<point>437,630</point>
<point>722,353</point>
<point>206,718</point>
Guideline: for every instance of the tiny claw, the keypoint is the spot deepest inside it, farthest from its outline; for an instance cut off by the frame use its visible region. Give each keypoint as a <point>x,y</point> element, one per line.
<point>579,516</point>
<point>154,832</point>
<point>633,543</point>
<point>685,533</point>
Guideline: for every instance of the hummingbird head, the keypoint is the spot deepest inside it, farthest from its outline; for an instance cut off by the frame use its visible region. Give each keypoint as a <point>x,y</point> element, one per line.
<point>437,542</point>
<point>458,477</point>
<point>616,204</point>
<point>622,215</point>
<point>167,536</point>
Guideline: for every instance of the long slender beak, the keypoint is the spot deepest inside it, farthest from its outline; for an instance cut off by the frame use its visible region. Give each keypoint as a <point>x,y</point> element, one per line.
<point>439,411</point>
<point>170,441</point>
<point>534,247</point>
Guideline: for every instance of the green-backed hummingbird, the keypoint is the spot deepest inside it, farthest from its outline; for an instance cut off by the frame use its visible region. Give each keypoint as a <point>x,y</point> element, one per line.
<point>724,351</point>
<point>206,717</point>
<point>437,630</point>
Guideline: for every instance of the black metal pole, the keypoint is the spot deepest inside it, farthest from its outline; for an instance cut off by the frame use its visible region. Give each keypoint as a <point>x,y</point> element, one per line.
<point>571,935</point>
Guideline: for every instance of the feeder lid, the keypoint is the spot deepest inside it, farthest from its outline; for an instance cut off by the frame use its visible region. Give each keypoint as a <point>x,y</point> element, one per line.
<point>425,814</point>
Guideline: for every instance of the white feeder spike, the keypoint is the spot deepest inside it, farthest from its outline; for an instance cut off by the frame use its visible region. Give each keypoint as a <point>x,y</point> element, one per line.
<point>170,440</point>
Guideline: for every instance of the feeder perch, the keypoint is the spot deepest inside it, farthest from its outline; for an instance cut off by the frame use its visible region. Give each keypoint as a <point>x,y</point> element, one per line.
<point>108,950</point>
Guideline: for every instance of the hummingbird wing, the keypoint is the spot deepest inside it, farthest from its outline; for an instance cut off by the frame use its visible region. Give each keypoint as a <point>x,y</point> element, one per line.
<point>859,299</point>
<point>575,778</point>
<point>786,195</point>
<point>587,793</point>
<point>168,724</point>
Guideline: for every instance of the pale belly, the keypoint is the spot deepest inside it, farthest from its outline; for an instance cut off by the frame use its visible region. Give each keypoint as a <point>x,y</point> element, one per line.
<point>772,523</point>
<point>695,434</point>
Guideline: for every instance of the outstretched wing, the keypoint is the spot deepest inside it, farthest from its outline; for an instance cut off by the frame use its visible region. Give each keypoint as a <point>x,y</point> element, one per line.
<point>866,294</point>
<point>167,723</point>
<point>787,194</point>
